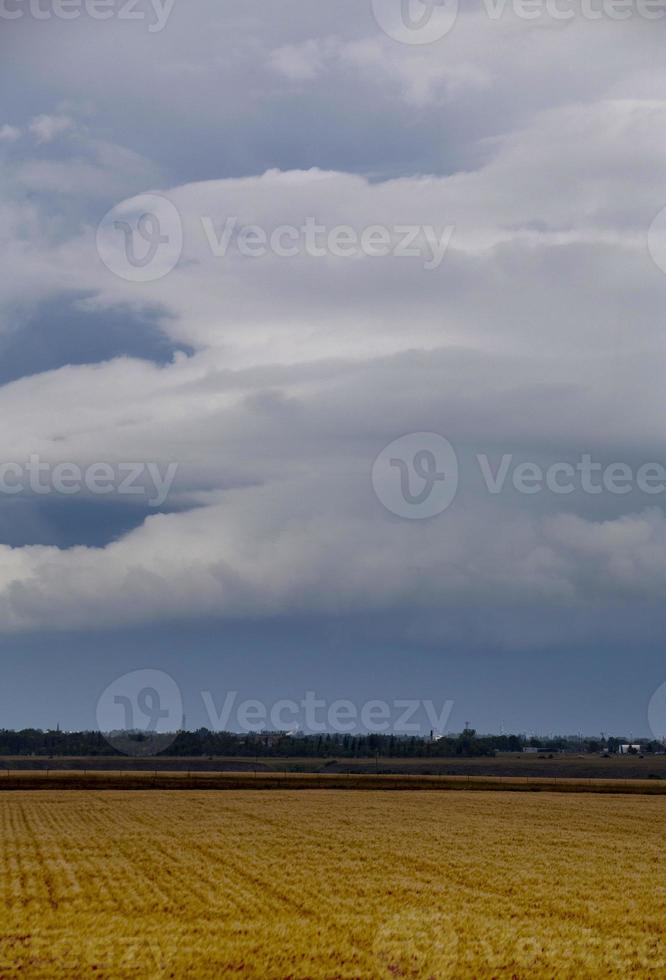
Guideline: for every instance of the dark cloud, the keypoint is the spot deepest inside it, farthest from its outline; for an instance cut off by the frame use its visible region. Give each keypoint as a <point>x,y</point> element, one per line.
<point>62,331</point>
<point>65,523</point>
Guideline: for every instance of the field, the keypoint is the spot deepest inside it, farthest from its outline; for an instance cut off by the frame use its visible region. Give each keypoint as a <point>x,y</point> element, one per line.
<point>323,885</point>
<point>571,766</point>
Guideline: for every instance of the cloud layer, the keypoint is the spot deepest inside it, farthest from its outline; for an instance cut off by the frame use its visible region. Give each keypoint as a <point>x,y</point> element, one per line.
<point>538,333</point>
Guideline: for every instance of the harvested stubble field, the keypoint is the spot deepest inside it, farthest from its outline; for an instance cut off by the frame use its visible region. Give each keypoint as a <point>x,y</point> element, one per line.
<point>331,884</point>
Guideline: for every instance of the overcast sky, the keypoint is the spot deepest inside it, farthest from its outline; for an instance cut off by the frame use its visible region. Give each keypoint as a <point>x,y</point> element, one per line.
<point>278,541</point>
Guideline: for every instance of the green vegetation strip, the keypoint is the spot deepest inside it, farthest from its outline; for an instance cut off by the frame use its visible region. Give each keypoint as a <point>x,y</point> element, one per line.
<point>78,780</point>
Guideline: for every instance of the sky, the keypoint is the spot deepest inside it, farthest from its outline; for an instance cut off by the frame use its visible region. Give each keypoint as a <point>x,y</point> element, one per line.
<point>331,361</point>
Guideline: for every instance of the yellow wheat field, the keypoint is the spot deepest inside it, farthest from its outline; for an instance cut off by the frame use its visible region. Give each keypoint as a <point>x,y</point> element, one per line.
<point>331,884</point>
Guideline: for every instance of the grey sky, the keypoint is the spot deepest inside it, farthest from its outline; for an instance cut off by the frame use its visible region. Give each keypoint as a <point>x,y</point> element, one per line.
<point>275,381</point>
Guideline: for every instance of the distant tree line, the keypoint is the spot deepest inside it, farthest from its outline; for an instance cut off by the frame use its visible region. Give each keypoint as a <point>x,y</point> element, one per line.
<point>203,742</point>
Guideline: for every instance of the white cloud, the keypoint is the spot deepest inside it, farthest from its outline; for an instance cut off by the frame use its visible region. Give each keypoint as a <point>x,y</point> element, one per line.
<point>301,62</point>
<point>9,134</point>
<point>45,128</point>
<point>102,170</point>
<point>252,555</point>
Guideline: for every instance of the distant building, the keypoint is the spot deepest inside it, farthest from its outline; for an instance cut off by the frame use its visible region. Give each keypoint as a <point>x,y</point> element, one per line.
<point>630,749</point>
